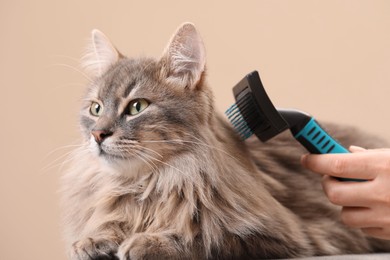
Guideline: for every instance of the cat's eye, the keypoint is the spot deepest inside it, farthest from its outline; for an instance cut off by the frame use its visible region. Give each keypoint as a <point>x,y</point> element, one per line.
<point>137,106</point>
<point>96,109</point>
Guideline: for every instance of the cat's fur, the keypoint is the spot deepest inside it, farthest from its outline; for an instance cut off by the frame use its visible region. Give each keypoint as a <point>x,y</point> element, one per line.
<point>176,182</point>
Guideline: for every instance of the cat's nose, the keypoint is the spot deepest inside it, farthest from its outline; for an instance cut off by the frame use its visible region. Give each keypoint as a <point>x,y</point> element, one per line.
<point>100,135</point>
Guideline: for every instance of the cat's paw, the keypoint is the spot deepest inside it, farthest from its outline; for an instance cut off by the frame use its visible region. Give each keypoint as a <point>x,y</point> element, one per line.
<point>94,249</point>
<point>150,247</point>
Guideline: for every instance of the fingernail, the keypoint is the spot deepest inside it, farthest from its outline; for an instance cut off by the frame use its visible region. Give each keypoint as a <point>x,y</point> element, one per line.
<point>354,149</point>
<point>303,159</point>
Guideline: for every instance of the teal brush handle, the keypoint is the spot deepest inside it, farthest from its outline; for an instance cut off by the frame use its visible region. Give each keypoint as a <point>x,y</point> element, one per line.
<point>316,140</point>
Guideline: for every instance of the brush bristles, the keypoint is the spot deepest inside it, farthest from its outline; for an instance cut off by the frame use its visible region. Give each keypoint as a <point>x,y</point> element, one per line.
<point>237,120</point>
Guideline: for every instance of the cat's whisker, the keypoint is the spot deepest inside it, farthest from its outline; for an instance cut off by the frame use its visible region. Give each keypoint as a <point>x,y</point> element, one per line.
<point>148,160</point>
<point>153,151</point>
<point>73,157</point>
<point>128,141</point>
<point>172,141</point>
<point>136,144</point>
<point>150,157</point>
<point>186,145</point>
<point>62,148</point>
<point>178,141</point>
<point>167,164</point>
<point>213,147</point>
<point>175,141</point>
<point>60,162</point>
<point>73,68</point>
<point>125,150</point>
<point>147,156</point>
<point>66,56</point>
<point>71,84</point>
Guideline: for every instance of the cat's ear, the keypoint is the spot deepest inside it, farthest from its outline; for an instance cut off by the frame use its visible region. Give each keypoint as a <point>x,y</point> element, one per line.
<point>185,57</point>
<point>100,54</point>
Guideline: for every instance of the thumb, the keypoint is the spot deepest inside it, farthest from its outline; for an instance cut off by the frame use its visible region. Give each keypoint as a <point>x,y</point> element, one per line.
<point>356,149</point>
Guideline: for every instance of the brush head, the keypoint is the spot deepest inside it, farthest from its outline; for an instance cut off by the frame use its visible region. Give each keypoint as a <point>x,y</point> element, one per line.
<point>253,112</point>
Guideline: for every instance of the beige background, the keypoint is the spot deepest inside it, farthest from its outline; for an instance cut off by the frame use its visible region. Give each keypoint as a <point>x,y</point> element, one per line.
<point>329,58</point>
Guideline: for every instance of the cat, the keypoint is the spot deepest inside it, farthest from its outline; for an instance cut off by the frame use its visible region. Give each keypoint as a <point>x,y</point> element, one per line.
<point>162,175</point>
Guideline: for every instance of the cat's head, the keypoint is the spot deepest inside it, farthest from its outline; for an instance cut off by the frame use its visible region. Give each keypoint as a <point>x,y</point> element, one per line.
<point>143,109</point>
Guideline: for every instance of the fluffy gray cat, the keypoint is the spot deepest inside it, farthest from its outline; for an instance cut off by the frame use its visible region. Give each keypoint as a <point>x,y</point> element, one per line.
<point>162,175</point>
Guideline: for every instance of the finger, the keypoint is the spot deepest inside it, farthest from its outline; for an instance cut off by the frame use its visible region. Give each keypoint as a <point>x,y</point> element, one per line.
<point>382,233</point>
<point>360,165</point>
<point>348,194</point>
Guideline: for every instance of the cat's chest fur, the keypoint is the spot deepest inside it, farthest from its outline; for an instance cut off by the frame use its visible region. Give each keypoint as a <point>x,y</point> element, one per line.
<point>138,196</point>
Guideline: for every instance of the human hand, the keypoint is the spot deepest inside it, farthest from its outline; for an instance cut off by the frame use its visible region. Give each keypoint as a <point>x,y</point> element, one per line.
<point>365,205</point>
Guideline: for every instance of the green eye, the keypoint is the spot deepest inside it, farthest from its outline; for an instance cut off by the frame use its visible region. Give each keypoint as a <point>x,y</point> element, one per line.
<point>96,109</point>
<point>137,106</point>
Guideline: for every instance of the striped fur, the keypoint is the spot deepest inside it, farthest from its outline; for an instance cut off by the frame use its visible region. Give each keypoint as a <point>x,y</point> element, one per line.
<point>176,182</point>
